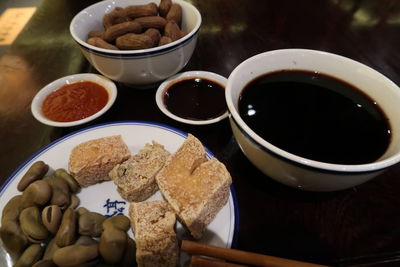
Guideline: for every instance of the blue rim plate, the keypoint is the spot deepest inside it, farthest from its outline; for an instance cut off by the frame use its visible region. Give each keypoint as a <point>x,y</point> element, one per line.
<point>104,198</point>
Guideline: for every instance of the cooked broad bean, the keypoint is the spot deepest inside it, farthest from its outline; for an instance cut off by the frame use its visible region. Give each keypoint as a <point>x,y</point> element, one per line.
<point>51,218</point>
<point>82,210</point>
<point>31,225</point>
<point>61,192</point>
<point>76,255</point>
<point>51,248</point>
<point>91,224</point>
<point>129,257</point>
<point>12,209</point>
<point>67,233</point>
<point>27,224</point>
<point>112,244</point>
<point>35,172</point>
<point>73,185</point>
<point>30,256</point>
<point>45,263</point>
<point>13,238</point>
<point>74,202</point>
<point>36,194</point>
<point>120,221</point>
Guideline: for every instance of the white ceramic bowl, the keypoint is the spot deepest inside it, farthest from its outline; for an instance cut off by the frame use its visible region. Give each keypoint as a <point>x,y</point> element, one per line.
<point>136,67</point>
<point>183,76</point>
<point>297,171</point>
<point>36,105</point>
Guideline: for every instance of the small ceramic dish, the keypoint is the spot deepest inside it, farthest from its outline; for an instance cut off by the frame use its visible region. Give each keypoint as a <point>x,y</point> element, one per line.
<point>37,102</point>
<point>189,75</point>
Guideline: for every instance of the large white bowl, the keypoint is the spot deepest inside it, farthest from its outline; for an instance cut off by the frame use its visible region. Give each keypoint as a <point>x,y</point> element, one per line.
<point>136,67</point>
<point>301,172</point>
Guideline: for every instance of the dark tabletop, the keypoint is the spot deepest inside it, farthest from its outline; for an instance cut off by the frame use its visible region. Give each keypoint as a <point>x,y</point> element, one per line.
<point>355,227</point>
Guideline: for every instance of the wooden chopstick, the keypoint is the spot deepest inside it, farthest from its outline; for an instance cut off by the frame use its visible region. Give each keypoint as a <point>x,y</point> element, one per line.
<point>195,248</point>
<point>197,261</point>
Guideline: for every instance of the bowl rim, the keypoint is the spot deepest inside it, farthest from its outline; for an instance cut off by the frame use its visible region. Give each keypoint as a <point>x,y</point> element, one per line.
<point>139,52</point>
<point>183,76</point>
<point>270,148</point>
<point>38,99</point>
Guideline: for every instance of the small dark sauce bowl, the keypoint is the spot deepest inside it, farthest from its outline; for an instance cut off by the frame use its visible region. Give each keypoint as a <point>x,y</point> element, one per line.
<point>163,88</point>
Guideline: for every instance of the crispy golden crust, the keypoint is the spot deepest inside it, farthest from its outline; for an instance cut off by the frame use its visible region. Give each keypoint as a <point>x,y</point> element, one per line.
<point>153,224</point>
<point>195,188</point>
<point>91,161</point>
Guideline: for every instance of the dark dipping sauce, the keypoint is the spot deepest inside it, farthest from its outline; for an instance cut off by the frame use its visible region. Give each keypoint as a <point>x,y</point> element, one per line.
<point>196,99</point>
<point>315,116</point>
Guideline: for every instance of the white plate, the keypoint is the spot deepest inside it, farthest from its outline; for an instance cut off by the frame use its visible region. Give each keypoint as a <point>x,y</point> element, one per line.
<point>220,232</point>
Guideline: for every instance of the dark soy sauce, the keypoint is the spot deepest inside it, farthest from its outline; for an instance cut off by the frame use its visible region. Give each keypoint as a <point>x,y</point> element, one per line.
<point>196,99</point>
<point>315,116</point>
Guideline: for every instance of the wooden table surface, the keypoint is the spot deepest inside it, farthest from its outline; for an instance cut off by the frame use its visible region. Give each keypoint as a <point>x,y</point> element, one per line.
<point>355,227</point>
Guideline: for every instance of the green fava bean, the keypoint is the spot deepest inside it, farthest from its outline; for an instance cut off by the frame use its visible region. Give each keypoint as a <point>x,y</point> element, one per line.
<point>32,226</point>
<point>91,224</point>
<point>12,209</point>
<point>37,193</point>
<point>76,255</point>
<point>30,256</point>
<point>120,221</point>
<point>112,244</point>
<point>45,263</point>
<point>14,240</point>
<point>73,185</point>
<point>61,192</point>
<point>35,172</point>
<point>67,233</point>
<point>129,257</point>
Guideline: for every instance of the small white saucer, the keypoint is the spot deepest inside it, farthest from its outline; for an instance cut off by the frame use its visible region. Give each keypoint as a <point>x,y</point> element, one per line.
<point>36,106</point>
<point>183,76</point>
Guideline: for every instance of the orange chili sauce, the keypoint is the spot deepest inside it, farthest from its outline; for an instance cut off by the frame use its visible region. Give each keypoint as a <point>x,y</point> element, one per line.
<point>75,101</point>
